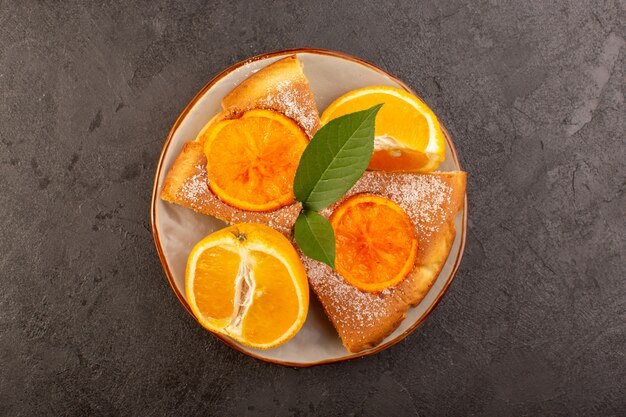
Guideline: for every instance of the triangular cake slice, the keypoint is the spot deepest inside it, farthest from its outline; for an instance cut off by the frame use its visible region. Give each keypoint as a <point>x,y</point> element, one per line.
<point>431,201</point>
<point>280,86</point>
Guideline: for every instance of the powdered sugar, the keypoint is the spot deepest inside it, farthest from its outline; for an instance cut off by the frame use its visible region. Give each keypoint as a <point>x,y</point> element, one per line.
<point>281,220</point>
<point>195,188</point>
<point>289,99</point>
<point>351,307</point>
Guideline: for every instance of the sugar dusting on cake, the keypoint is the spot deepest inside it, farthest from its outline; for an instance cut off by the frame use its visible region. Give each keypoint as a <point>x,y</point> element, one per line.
<point>363,309</point>
<point>195,188</point>
<point>288,98</point>
<point>281,219</point>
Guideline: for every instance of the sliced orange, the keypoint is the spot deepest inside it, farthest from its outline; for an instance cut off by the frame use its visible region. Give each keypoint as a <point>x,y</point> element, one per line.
<point>247,282</point>
<point>408,135</point>
<point>252,160</point>
<point>375,242</point>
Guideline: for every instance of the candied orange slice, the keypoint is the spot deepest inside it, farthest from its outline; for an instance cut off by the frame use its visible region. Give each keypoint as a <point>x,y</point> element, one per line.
<point>408,136</point>
<point>252,160</point>
<point>375,242</point>
<point>247,282</point>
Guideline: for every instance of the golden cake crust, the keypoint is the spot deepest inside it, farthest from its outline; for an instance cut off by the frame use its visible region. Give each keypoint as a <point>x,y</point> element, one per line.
<point>281,86</point>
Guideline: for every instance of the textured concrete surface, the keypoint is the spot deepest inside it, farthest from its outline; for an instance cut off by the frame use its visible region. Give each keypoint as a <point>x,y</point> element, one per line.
<point>533,92</point>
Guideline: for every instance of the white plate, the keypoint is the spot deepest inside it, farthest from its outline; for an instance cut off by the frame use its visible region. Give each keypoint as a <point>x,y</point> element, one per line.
<point>177,229</point>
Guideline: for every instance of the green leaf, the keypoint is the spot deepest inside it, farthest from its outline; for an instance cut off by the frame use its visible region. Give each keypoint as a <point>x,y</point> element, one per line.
<point>315,237</point>
<point>335,159</point>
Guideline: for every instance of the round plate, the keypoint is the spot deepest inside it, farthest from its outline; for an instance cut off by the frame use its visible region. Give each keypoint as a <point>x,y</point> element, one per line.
<point>177,229</point>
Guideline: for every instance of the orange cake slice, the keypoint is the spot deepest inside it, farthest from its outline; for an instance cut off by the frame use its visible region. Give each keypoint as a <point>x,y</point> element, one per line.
<point>431,201</point>
<point>280,87</point>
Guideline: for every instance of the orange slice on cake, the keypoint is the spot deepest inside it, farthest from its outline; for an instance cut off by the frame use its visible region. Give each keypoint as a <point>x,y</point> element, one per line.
<point>252,160</point>
<point>375,242</point>
<point>408,136</point>
<point>247,282</point>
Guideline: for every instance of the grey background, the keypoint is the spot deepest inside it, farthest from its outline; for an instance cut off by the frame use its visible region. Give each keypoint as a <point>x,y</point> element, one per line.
<point>533,92</point>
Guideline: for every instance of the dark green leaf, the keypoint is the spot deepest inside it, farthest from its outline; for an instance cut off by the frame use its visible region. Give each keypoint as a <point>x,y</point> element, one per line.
<point>315,237</point>
<point>335,159</point>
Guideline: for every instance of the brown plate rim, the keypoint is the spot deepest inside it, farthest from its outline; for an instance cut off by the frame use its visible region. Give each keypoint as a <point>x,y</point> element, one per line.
<point>157,241</point>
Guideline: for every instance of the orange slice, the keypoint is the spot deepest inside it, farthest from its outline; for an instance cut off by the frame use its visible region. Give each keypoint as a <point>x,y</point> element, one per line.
<point>247,282</point>
<point>375,242</point>
<point>252,160</point>
<point>408,134</point>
